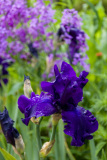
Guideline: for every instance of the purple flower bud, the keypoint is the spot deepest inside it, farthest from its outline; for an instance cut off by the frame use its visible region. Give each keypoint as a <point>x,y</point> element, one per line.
<point>7,127</point>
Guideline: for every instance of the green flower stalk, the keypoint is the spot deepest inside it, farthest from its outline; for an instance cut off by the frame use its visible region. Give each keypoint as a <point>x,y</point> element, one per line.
<point>47,146</point>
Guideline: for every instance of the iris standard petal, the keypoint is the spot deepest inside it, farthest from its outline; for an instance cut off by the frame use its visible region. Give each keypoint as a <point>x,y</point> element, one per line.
<point>56,71</point>
<point>58,87</point>
<point>73,94</point>
<point>67,71</point>
<point>47,86</point>
<point>82,79</point>
<point>67,88</point>
<point>55,88</point>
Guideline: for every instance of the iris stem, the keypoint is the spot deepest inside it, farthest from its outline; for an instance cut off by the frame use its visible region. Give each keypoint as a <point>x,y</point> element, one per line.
<point>53,132</point>
<point>38,136</point>
<point>40,120</point>
<point>39,142</point>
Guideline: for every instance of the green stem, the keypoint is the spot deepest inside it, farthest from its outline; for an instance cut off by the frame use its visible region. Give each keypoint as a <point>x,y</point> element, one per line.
<point>38,136</point>
<point>53,133</point>
<point>40,120</point>
<point>39,142</point>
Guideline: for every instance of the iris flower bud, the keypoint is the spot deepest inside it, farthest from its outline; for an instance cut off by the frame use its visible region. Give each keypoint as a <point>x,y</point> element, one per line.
<point>7,127</point>
<point>46,148</point>
<point>19,144</point>
<point>12,135</point>
<point>27,86</point>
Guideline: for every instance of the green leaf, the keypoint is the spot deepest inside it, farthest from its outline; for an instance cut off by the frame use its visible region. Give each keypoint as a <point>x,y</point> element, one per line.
<point>97,18</point>
<point>92,150</point>
<point>93,8</point>
<point>70,5</point>
<point>99,147</point>
<point>61,3</point>
<point>103,155</point>
<point>6,155</point>
<point>15,88</point>
<point>62,151</point>
<point>56,147</point>
<point>2,140</point>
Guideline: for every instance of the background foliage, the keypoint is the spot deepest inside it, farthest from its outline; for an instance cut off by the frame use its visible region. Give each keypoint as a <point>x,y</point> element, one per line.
<point>94,15</point>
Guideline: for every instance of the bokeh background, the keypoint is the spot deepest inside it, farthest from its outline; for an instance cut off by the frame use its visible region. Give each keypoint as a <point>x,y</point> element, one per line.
<point>94,15</point>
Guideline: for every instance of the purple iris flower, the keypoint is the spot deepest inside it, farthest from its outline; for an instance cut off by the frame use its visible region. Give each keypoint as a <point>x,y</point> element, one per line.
<point>67,92</point>
<point>63,96</point>
<point>7,127</point>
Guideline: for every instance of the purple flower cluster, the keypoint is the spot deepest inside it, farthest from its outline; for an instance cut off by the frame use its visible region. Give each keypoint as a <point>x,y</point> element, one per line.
<point>62,96</point>
<point>79,58</point>
<point>21,26</point>
<point>71,17</point>
<point>7,127</point>
<point>70,32</point>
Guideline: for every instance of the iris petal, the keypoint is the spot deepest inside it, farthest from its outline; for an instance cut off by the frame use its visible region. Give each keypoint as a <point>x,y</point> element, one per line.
<point>57,73</point>
<point>47,86</point>
<point>82,79</point>
<point>23,102</point>
<point>80,125</point>
<point>67,71</point>
<point>36,106</point>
